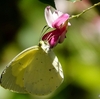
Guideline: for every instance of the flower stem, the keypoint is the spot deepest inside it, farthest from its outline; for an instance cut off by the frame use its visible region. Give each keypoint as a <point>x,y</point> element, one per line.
<point>78,15</point>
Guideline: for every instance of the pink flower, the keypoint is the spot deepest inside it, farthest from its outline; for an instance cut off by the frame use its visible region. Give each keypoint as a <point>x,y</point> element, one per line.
<point>59,21</point>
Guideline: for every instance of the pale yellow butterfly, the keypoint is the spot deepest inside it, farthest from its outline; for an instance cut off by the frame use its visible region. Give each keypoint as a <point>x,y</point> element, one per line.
<point>35,70</point>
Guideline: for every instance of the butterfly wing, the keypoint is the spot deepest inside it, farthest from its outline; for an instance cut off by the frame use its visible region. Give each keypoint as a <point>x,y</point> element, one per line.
<point>33,71</point>
<point>44,74</point>
<point>12,76</point>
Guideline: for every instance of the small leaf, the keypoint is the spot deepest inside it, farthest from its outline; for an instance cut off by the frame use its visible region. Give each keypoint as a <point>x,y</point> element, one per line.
<point>73,0</point>
<point>50,2</point>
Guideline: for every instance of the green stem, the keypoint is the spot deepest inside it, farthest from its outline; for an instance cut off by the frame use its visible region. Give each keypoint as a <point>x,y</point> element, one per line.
<point>78,15</point>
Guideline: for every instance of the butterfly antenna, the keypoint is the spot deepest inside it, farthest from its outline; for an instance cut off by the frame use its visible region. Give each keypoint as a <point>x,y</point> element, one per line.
<point>45,28</point>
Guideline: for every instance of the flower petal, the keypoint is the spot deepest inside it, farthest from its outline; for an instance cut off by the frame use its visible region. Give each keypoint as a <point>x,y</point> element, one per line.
<point>60,20</point>
<point>69,24</point>
<point>57,14</point>
<point>52,37</point>
<point>49,16</point>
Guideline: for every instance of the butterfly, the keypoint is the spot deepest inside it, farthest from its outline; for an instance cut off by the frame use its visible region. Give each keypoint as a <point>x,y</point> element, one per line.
<point>36,70</point>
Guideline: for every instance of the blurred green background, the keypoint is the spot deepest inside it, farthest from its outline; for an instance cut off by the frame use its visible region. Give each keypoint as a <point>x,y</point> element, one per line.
<point>21,22</point>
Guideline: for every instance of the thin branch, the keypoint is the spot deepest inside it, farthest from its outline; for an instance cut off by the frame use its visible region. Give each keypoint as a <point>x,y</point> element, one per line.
<point>78,15</point>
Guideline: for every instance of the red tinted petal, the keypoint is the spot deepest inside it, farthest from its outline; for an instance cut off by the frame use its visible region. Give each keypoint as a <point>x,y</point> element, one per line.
<point>52,37</point>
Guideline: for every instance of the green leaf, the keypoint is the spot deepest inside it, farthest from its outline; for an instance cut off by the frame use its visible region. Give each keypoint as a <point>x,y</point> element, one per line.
<point>52,2</point>
<point>49,2</point>
<point>73,0</point>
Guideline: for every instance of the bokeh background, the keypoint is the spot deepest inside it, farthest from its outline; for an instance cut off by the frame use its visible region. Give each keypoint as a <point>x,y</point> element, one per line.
<point>21,23</point>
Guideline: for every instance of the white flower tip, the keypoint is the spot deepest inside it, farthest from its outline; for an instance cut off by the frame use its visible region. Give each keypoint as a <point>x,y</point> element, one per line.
<point>69,24</point>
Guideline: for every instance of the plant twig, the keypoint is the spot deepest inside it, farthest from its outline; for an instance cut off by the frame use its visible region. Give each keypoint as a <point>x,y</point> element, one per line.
<point>78,15</point>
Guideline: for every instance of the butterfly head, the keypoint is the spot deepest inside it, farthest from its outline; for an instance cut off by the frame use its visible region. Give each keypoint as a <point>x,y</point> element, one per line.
<point>45,46</point>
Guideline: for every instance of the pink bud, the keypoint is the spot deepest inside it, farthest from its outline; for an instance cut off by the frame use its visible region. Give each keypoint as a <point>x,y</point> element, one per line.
<point>59,21</point>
